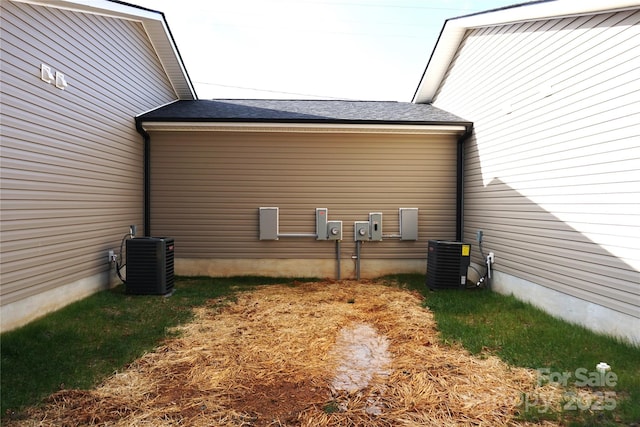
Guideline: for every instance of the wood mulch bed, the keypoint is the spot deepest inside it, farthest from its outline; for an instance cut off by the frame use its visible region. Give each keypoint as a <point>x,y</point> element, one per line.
<point>313,354</point>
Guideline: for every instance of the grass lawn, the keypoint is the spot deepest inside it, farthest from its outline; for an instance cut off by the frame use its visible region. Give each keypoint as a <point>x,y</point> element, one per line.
<point>80,345</point>
<point>522,335</point>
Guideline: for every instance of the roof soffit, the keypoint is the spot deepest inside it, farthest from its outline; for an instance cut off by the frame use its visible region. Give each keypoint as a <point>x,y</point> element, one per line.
<point>406,129</point>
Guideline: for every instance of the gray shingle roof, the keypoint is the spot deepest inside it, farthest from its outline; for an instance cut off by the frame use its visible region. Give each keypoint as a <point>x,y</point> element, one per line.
<point>301,111</point>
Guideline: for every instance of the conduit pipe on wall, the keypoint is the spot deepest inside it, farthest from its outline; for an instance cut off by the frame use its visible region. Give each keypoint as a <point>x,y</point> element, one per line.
<point>297,235</point>
<point>325,229</point>
<point>358,243</point>
<point>338,249</point>
<point>337,259</point>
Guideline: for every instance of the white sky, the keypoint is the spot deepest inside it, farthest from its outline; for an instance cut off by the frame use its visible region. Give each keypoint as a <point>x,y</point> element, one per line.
<point>309,49</point>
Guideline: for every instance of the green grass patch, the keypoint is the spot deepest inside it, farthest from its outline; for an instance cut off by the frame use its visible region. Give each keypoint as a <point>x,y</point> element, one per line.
<point>522,335</point>
<point>81,344</point>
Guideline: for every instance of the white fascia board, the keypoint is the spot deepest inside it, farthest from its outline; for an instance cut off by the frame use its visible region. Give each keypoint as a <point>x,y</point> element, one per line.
<point>444,51</point>
<point>155,26</point>
<point>100,7</point>
<point>545,10</point>
<point>444,129</point>
<point>163,43</point>
<point>454,30</point>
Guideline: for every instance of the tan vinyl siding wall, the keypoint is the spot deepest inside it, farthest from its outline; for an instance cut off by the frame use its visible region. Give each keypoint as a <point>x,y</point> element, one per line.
<point>552,170</point>
<point>207,188</point>
<point>71,159</point>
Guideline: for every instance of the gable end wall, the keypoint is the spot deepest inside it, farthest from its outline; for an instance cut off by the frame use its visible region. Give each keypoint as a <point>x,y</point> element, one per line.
<point>71,159</point>
<point>552,170</point>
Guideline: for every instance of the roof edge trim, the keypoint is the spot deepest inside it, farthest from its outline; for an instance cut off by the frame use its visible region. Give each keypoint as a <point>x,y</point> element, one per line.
<point>114,9</point>
<point>417,129</point>
<point>543,9</point>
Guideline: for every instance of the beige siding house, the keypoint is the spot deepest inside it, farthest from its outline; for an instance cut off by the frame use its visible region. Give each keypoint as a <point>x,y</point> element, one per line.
<point>552,169</point>
<point>525,125</point>
<point>73,76</point>
<point>88,149</point>
<point>215,163</point>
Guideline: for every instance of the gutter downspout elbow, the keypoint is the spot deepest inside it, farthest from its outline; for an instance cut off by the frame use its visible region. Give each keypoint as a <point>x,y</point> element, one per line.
<point>147,177</point>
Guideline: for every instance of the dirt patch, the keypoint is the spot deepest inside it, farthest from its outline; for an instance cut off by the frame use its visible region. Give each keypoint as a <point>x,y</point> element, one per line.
<point>315,354</point>
<point>279,403</point>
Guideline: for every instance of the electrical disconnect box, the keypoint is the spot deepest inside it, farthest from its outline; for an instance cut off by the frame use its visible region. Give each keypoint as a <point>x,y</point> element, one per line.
<point>361,230</point>
<point>375,225</point>
<point>408,223</point>
<point>325,229</point>
<point>321,224</point>
<point>334,230</point>
<point>268,223</point>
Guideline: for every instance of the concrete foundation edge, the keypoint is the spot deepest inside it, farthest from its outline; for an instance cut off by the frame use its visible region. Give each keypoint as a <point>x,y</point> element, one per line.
<point>594,317</point>
<point>323,268</point>
<point>21,312</point>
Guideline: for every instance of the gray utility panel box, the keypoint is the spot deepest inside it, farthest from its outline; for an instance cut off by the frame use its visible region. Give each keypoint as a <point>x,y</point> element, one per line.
<point>408,223</point>
<point>361,230</point>
<point>375,224</point>
<point>325,229</point>
<point>322,232</point>
<point>269,223</point>
<point>334,230</point>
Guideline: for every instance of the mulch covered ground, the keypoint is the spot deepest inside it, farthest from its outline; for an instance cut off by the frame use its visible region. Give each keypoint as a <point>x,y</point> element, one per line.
<point>314,354</point>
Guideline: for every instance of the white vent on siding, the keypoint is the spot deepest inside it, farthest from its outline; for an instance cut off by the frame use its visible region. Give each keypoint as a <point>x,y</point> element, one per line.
<point>61,82</point>
<point>45,73</point>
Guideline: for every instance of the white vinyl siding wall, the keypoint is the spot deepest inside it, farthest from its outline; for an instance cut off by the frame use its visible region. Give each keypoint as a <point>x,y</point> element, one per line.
<point>552,172</point>
<point>207,188</point>
<point>72,177</point>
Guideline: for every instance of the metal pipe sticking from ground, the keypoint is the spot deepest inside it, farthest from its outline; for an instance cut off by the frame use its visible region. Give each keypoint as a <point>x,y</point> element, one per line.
<point>338,260</point>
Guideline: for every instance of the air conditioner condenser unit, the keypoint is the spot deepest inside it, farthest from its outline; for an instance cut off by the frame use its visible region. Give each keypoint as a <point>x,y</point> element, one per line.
<point>447,264</point>
<point>150,266</point>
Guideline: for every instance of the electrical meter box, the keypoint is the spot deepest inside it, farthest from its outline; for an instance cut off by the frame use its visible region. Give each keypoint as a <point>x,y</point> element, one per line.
<point>321,223</point>
<point>334,230</point>
<point>408,223</point>
<point>268,223</point>
<point>361,230</point>
<point>375,223</point>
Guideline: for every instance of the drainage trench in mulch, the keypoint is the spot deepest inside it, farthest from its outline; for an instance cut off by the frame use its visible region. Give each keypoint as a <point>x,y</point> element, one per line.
<point>313,354</point>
